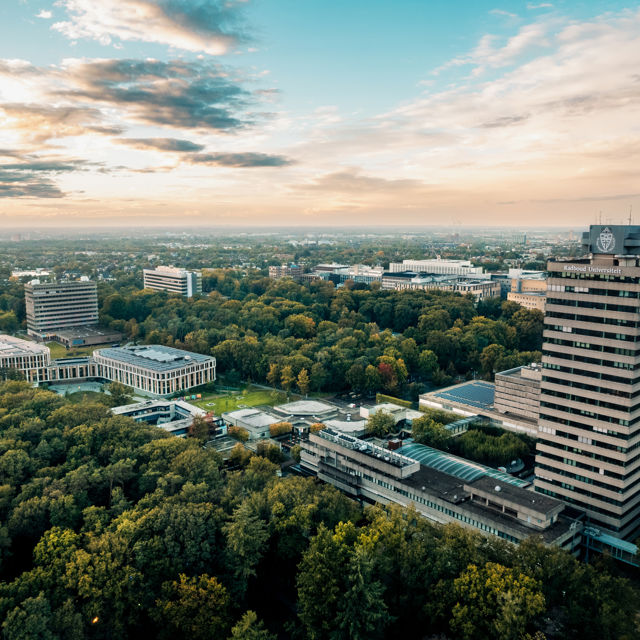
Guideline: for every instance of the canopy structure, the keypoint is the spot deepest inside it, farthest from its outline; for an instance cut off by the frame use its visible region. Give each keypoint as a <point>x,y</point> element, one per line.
<point>455,466</point>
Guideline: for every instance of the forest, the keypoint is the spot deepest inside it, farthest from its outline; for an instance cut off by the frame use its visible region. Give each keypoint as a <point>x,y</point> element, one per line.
<point>355,338</point>
<point>114,529</point>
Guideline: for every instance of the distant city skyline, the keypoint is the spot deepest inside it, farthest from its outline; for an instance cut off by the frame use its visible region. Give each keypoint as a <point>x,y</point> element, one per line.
<point>253,113</point>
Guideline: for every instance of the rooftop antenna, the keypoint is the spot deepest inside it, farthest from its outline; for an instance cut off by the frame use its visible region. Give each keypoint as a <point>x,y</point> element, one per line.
<point>630,210</point>
<point>600,219</point>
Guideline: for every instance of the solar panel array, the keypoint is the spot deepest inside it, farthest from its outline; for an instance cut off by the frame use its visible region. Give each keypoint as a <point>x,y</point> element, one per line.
<point>476,394</point>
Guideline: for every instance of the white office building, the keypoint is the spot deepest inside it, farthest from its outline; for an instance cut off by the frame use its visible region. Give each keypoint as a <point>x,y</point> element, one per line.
<point>155,369</point>
<point>437,266</point>
<point>173,280</point>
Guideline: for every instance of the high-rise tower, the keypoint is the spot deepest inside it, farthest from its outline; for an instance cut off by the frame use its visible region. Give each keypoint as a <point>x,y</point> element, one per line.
<point>588,451</point>
<point>59,305</point>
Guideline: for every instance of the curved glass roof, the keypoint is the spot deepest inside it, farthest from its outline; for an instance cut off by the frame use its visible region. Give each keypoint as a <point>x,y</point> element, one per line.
<point>455,466</point>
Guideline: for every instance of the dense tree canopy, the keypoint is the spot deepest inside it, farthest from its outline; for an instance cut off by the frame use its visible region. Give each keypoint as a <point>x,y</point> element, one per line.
<point>114,529</point>
<point>317,337</point>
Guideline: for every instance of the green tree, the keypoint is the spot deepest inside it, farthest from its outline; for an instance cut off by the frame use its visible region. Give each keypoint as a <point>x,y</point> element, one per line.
<point>120,393</point>
<point>250,628</point>
<point>380,424</point>
<point>192,607</point>
<point>362,613</point>
<point>246,537</point>
<point>238,433</point>
<point>427,431</point>
<point>32,619</point>
<point>321,579</point>
<point>372,379</point>
<point>494,601</point>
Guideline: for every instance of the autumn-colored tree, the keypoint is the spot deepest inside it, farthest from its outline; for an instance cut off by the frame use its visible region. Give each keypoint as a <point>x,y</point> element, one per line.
<point>199,429</point>
<point>239,433</point>
<point>280,429</point>
<point>287,378</point>
<point>273,376</point>
<point>303,382</point>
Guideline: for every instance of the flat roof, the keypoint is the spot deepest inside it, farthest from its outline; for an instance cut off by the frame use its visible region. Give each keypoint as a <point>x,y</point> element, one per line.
<point>455,466</point>
<point>475,393</point>
<point>518,495</point>
<point>305,408</point>
<point>154,356</point>
<point>394,458</point>
<point>12,346</point>
<point>85,332</point>
<point>158,404</point>
<point>347,426</point>
<point>252,417</point>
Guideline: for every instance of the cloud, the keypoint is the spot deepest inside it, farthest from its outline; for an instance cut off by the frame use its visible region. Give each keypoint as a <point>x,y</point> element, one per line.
<point>176,94</point>
<point>502,12</point>
<point>162,144</point>
<point>542,5</point>
<point>39,123</point>
<point>210,26</point>
<point>352,181</point>
<point>32,177</point>
<point>240,160</point>
<point>45,15</point>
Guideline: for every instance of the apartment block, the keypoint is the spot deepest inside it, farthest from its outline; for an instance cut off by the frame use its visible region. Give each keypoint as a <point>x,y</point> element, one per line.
<point>60,305</point>
<point>173,280</point>
<point>588,451</point>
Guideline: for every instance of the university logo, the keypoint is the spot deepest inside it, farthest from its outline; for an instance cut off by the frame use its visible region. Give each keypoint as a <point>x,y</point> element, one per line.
<point>606,242</point>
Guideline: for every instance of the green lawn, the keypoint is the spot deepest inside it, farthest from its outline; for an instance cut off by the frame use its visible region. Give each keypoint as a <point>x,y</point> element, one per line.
<point>60,351</point>
<point>251,397</point>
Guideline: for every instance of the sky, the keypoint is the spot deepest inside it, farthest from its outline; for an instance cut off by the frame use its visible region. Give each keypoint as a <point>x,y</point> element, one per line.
<point>318,113</point>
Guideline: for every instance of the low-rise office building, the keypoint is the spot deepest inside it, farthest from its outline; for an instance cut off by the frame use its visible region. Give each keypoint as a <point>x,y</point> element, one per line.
<point>255,421</point>
<point>154,369</point>
<point>437,266</point>
<point>475,500</point>
<point>173,280</point>
<point>479,289</point>
<point>529,300</point>
<point>405,280</point>
<point>174,416</point>
<point>86,336</point>
<point>477,398</point>
<point>528,288</point>
<point>30,358</point>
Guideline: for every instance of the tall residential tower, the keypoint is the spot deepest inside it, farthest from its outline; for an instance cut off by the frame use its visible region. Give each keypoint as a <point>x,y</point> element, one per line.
<point>588,451</point>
